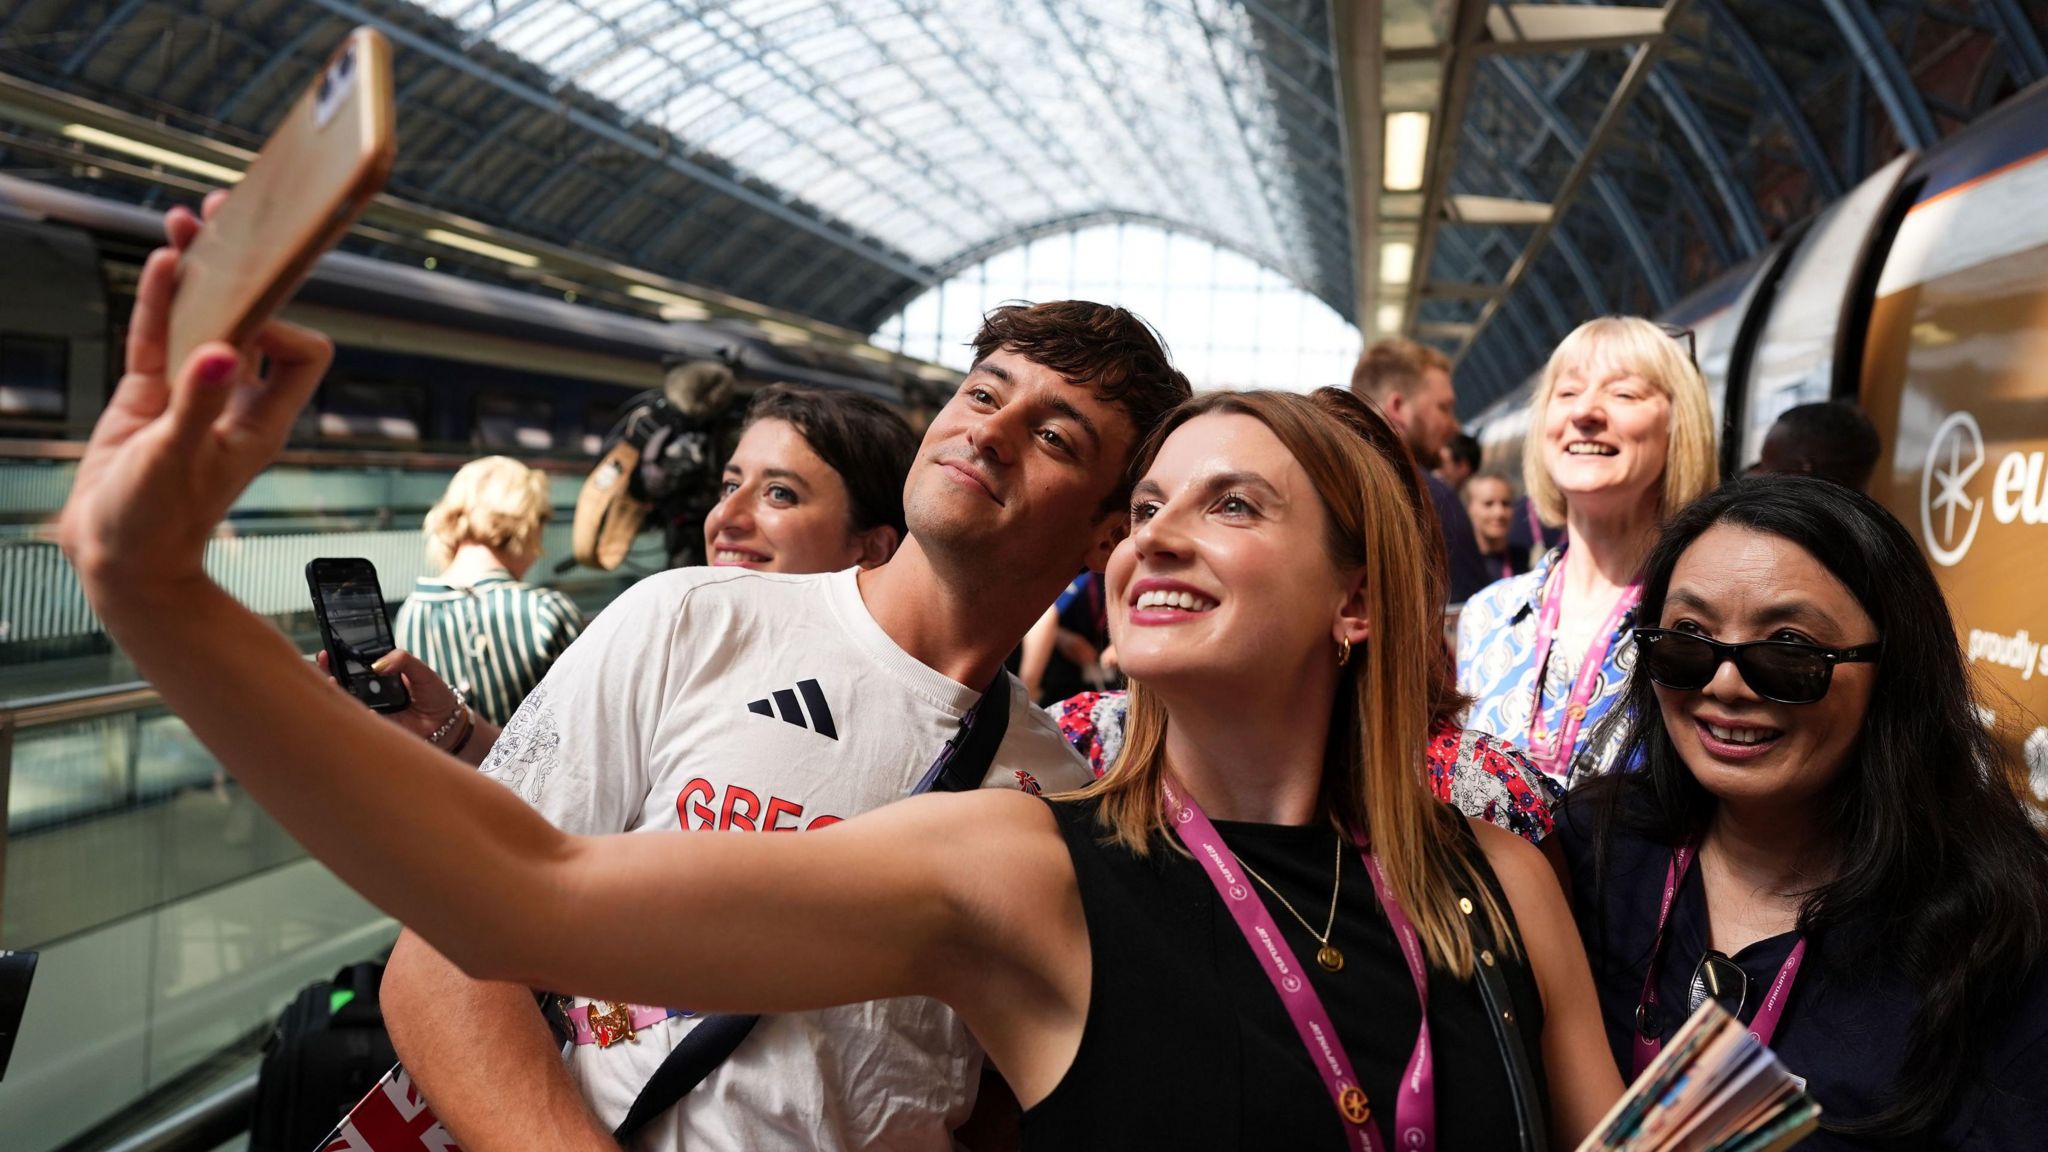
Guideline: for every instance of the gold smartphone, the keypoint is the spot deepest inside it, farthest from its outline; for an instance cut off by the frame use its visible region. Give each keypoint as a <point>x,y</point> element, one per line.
<point>314,177</point>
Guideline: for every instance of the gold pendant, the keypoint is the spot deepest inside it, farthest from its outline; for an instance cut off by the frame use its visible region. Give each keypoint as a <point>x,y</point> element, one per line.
<point>1331,959</point>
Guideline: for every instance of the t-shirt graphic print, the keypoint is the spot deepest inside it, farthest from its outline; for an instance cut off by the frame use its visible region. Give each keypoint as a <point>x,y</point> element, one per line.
<point>729,700</point>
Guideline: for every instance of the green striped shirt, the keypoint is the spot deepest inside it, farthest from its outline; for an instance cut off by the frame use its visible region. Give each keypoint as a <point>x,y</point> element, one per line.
<point>493,639</point>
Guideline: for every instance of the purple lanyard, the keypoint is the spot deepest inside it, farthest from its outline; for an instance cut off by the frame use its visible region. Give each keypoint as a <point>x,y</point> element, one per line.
<point>1768,1014</point>
<point>1557,754</point>
<point>1415,1109</point>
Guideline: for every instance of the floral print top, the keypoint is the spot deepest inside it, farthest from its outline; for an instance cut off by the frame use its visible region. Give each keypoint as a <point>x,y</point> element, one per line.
<point>1497,668</point>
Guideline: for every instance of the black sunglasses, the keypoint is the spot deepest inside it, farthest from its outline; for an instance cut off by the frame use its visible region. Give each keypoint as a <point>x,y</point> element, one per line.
<point>1785,671</point>
<point>1721,980</point>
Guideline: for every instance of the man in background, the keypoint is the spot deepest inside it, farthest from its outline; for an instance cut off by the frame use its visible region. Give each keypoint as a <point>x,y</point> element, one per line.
<point>1458,460</point>
<point>1833,440</point>
<point>1411,383</point>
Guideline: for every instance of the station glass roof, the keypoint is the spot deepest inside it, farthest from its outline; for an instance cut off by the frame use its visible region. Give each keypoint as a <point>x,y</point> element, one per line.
<point>947,129</point>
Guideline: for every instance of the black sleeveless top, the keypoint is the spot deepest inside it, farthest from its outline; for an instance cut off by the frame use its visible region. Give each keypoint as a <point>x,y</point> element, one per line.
<point>1187,1045</point>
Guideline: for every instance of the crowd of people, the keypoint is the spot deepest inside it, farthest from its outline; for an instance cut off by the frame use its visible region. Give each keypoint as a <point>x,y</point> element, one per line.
<point>1314,880</point>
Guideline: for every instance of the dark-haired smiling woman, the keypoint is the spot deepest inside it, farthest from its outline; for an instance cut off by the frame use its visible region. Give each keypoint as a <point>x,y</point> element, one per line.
<point>1823,837</point>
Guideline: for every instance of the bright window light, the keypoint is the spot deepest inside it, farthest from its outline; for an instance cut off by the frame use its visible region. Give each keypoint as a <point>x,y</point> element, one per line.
<point>87,134</point>
<point>673,307</point>
<point>1228,322</point>
<point>1407,147</point>
<point>482,247</point>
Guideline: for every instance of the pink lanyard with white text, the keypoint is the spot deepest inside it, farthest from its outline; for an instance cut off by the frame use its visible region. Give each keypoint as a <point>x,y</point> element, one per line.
<point>1415,1110</point>
<point>1765,1023</point>
<point>1556,758</point>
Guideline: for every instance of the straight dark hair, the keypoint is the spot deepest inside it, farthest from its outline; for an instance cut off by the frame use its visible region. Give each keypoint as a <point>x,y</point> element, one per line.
<point>1940,871</point>
<point>863,440</point>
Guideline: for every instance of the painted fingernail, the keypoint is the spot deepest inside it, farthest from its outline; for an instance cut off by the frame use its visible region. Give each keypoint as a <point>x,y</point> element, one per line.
<point>383,665</point>
<point>217,369</point>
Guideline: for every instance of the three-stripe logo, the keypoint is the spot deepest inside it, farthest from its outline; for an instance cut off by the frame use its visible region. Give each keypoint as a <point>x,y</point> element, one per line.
<point>784,704</point>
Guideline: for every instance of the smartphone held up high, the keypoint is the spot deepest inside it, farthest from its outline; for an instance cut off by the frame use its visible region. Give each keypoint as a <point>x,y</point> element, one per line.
<point>355,629</point>
<point>318,171</point>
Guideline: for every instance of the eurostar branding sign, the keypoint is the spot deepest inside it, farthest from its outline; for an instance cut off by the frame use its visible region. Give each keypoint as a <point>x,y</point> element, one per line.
<point>1950,514</point>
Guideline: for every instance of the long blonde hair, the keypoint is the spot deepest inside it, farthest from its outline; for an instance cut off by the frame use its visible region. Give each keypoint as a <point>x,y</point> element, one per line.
<point>1374,775</point>
<point>1692,467</point>
<point>495,501</point>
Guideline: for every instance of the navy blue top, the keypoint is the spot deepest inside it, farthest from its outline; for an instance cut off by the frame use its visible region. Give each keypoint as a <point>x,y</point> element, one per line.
<point>1468,571</point>
<point>1845,1031</point>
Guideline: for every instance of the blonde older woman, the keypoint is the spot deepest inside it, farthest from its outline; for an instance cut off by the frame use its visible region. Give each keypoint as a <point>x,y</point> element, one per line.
<point>1621,435</point>
<point>476,624</point>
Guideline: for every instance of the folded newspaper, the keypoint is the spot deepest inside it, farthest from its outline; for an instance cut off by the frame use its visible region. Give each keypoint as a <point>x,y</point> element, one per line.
<point>1714,1088</point>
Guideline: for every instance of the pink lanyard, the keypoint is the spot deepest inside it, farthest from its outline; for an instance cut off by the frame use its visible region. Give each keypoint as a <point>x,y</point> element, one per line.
<point>1768,1014</point>
<point>1415,1110</point>
<point>1557,755</point>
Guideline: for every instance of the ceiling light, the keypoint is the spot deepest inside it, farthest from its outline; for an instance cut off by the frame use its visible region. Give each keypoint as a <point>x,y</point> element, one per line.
<point>482,247</point>
<point>870,352</point>
<point>1407,147</point>
<point>673,306</point>
<point>87,134</point>
<point>1389,318</point>
<point>1397,261</point>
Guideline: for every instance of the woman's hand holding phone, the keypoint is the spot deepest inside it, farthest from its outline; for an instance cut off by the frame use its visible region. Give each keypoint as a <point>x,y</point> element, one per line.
<point>179,442</point>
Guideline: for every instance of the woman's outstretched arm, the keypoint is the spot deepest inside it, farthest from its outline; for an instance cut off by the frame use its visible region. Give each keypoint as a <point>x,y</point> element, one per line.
<point>880,906</point>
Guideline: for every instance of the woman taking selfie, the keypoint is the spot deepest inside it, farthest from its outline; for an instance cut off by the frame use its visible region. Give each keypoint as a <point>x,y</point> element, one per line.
<point>1621,435</point>
<point>1823,836</point>
<point>1266,604</point>
<point>1474,772</point>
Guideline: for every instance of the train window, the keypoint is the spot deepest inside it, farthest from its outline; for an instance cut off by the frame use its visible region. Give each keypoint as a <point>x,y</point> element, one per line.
<point>371,410</point>
<point>33,373</point>
<point>523,422</point>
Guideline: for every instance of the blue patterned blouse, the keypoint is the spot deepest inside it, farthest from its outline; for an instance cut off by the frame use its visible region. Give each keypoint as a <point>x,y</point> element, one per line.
<point>1496,667</point>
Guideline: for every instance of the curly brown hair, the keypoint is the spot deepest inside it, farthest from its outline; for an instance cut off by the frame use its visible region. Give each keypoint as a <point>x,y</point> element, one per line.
<point>1107,348</point>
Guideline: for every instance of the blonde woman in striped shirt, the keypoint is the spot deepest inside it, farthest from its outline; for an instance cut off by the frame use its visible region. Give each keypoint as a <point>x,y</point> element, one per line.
<point>476,624</point>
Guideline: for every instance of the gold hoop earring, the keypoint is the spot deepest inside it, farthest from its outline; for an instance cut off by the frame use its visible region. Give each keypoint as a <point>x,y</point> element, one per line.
<point>1343,651</point>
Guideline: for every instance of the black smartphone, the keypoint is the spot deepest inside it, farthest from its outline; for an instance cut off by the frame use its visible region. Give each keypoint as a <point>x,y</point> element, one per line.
<point>16,969</point>
<point>355,628</point>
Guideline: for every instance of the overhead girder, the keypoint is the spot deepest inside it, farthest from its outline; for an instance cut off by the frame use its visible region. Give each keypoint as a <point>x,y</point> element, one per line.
<point>1886,74</point>
<point>2024,55</point>
<point>1662,284</point>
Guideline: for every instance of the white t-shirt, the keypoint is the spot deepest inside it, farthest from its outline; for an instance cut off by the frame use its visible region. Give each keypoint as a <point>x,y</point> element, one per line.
<point>721,698</point>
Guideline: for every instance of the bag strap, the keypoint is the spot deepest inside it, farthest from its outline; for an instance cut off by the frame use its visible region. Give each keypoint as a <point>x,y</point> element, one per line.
<point>962,765</point>
<point>607,515</point>
<point>1489,964</point>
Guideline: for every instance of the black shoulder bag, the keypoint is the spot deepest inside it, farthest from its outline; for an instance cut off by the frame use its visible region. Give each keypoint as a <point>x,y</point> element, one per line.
<point>1488,959</point>
<point>962,764</point>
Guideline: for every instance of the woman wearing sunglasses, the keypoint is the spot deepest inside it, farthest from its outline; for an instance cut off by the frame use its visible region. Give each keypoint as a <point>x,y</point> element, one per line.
<point>1822,837</point>
<point>1621,435</point>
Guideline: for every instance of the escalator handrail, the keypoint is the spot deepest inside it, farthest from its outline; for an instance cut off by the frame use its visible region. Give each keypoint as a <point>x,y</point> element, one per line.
<point>80,704</point>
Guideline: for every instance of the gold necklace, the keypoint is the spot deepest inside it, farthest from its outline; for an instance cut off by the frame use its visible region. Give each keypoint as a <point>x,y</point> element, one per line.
<point>1328,956</point>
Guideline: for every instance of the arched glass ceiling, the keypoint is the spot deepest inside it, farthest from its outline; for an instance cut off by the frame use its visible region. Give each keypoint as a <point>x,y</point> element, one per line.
<point>1227,321</point>
<point>940,126</point>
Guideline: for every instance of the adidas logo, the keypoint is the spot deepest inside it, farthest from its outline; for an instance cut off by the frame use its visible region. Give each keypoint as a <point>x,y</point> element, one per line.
<point>785,705</point>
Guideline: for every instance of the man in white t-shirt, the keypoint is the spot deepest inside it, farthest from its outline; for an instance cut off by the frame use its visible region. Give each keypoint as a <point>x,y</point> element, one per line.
<point>723,700</point>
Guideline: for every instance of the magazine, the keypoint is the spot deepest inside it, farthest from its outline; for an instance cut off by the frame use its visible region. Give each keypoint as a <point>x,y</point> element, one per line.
<point>1713,1088</point>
